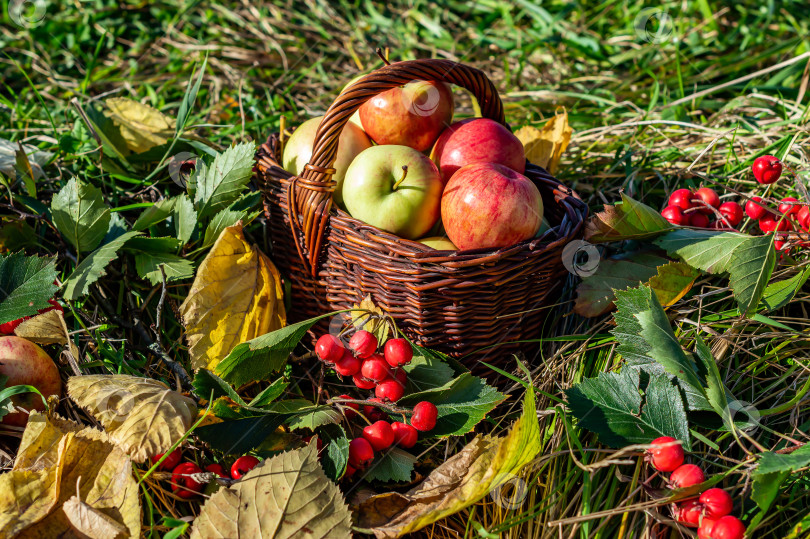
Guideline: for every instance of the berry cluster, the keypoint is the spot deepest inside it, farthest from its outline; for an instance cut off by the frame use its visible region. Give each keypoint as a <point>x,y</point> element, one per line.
<point>711,511</point>
<point>384,374</point>
<point>697,209</point>
<point>185,475</point>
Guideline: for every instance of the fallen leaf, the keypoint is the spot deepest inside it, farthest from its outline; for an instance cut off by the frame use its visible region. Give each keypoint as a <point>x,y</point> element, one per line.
<point>142,127</point>
<point>26,497</point>
<point>483,467</point>
<point>370,318</point>
<point>90,521</point>
<point>8,158</point>
<point>46,329</point>
<point>143,416</point>
<point>544,147</point>
<point>236,297</point>
<point>626,221</point>
<point>285,496</point>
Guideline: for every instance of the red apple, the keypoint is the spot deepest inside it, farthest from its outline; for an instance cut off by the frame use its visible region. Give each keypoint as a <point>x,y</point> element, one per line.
<point>487,205</point>
<point>477,140</point>
<point>411,115</point>
<point>25,363</point>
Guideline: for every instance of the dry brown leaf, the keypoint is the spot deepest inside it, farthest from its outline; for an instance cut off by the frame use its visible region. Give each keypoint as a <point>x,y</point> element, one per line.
<point>92,522</point>
<point>544,147</point>
<point>26,497</point>
<point>371,318</point>
<point>237,295</point>
<point>285,496</point>
<point>142,127</point>
<point>143,416</point>
<point>46,329</point>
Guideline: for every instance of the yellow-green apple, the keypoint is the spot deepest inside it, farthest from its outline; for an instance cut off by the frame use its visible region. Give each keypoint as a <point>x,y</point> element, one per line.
<point>355,118</point>
<point>25,363</point>
<point>298,150</point>
<point>477,140</point>
<point>440,243</point>
<point>487,205</point>
<point>395,188</point>
<point>411,115</point>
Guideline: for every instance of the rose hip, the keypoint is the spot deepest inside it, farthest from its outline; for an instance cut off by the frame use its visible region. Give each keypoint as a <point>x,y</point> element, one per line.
<point>379,434</point>
<point>424,417</point>
<point>360,453</point>
<point>329,348</point>
<point>398,352</point>
<point>404,435</point>
<point>363,343</point>
<point>717,502</point>
<point>767,169</point>
<point>666,454</point>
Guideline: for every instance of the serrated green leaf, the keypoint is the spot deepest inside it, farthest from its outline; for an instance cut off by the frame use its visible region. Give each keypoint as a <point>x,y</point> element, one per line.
<point>461,402</point>
<point>427,373</point>
<point>314,417</point>
<point>770,462</point>
<point>118,226</point>
<point>93,267</point>
<point>335,454</point>
<point>176,268</point>
<point>270,393</point>
<point>751,267</point>
<point>81,215</point>
<point>629,220</point>
<point>239,436</point>
<point>716,392</point>
<point>185,218</point>
<point>26,285</point>
<point>209,386</point>
<point>220,222</point>
<point>220,183</point>
<point>765,488</point>
<point>154,245</point>
<point>393,464</point>
<point>154,214</point>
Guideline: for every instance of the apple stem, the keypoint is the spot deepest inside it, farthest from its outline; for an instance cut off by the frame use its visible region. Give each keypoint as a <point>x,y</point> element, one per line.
<point>384,56</point>
<point>404,173</point>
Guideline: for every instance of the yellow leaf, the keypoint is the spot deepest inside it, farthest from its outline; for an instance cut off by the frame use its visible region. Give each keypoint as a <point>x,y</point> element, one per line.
<point>482,468</point>
<point>46,329</point>
<point>142,416</point>
<point>26,497</point>
<point>236,296</point>
<point>544,147</point>
<point>142,127</point>
<point>90,521</point>
<point>371,318</point>
<point>287,495</point>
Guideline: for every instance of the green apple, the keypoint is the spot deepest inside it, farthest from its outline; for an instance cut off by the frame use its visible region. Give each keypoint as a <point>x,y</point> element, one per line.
<point>355,118</point>
<point>395,188</point>
<point>440,243</point>
<point>298,150</point>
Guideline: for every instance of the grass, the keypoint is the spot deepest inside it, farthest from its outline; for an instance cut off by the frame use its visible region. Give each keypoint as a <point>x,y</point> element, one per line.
<point>646,103</point>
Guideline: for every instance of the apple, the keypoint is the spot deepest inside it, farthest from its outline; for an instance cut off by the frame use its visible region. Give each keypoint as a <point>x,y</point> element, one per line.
<point>440,243</point>
<point>395,188</point>
<point>477,140</point>
<point>411,115</point>
<point>25,363</point>
<point>298,151</point>
<point>487,205</point>
<point>355,118</point>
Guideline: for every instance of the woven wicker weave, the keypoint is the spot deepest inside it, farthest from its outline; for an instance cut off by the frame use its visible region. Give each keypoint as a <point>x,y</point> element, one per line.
<point>456,302</point>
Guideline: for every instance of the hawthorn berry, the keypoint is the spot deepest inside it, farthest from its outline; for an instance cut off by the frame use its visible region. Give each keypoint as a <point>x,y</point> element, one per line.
<point>709,198</point>
<point>754,210</point>
<point>698,220</point>
<point>424,416</point>
<point>686,475</point>
<point>717,502</point>
<point>363,343</point>
<point>348,365</point>
<point>727,527</point>
<point>705,530</point>
<point>681,198</point>
<point>379,434</point>
<point>171,461</point>
<point>732,211</point>
<point>398,352</point>
<point>329,348</point>
<point>404,435</point>
<point>770,223</point>
<point>789,206</point>
<point>674,215</point>
<point>7,328</point>
<point>350,471</point>
<point>803,218</point>
<point>350,408</point>
<point>217,469</point>
<point>360,453</point>
<point>688,512</point>
<point>374,413</point>
<point>390,389</point>
<point>666,454</point>
<point>767,169</point>
<point>243,465</point>
<point>183,484</point>
<point>363,383</point>
<point>375,368</point>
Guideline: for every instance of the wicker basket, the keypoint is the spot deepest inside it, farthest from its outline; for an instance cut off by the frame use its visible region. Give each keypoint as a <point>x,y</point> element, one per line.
<point>455,302</point>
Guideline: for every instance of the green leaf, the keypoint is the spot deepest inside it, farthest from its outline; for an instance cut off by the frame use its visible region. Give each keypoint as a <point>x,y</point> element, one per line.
<point>220,222</point>
<point>175,267</point>
<point>239,436</point>
<point>216,185</point>
<point>8,392</point>
<point>425,372</point>
<point>26,285</point>
<point>629,220</point>
<point>770,462</point>
<point>765,488</point>
<point>270,393</point>
<point>118,227</point>
<point>462,403</point>
<point>154,245</point>
<point>751,269</point>
<point>716,392</point>
<point>154,214</point>
<point>93,267</point>
<point>612,406</point>
<point>80,215</point>
<point>335,454</point>
<point>189,98</point>
<point>185,218</point>
<point>392,465</point>
<point>313,417</point>
<point>209,386</point>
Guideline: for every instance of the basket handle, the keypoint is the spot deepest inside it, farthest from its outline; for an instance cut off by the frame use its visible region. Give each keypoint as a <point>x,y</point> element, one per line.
<point>310,194</point>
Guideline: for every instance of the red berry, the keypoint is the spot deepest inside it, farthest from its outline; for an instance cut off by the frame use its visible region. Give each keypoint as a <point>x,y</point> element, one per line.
<point>360,453</point>
<point>779,245</point>
<point>379,434</point>
<point>217,469</point>
<point>789,206</point>
<point>666,454</point>
<point>7,328</point>
<point>803,218</point>
<point>350,408</point>
<point>732,211</point>
<point>375,368</point>
<point>243,465</point>
<point>770,223</point>
<point>374,413</point>
<point>363,343</point>
<point>674,215</point>
<point>404,435</point>
<point>681,198</point>
<point>686,475</point>
<point>754,210</point>
<point>171,461</point>
<point>727,527</point>
<point>717,502</point>
<point>767,169</point>
<point>390,389</point>
<point>688,512</point>
<point>698,220</point>
<point>709,197</point>
<point>348,365</point>
<point>183,484</point>
<point>398,352</point>
<point>362,383</point>
<point>705,530</point>
<point>329,348</point>
<point>424,416</point>
<point>350,470</point>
